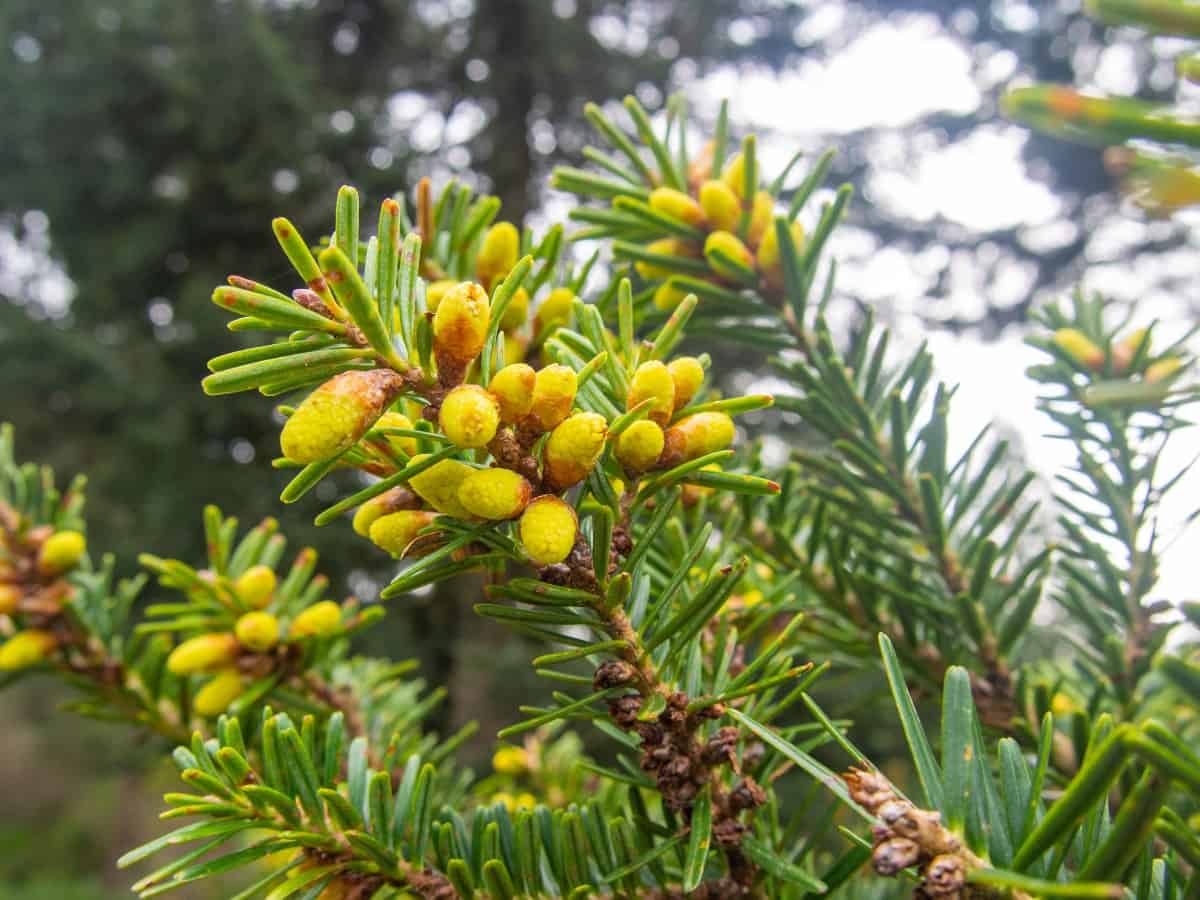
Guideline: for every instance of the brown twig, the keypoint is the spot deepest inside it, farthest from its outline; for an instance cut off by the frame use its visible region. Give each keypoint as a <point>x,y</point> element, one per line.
<point>671,747</point>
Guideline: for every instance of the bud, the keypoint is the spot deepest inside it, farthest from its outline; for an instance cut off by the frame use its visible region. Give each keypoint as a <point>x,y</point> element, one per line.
<point>869,789</point>
<point>730,246</point>
<point>734,175</point>
<point>652,381</point>
<point>61,551</point>
<point>338,889</point>
<point>510,760</point>
<point>1080,347</point>
<point>25,649</point>
<point>516,312</point>
<point>514,348</point>
<point>318,620</point>
<point>435,291</point>
<point>556,309</point>
<point>639,446</point>
<point>553,395</point>
<point>460,324</point>
<point>498,253</point>
<point>700,165</point>
<point>667,296</point>
<point>406,446</point>
<point>512,387</point>
<point>761,214</point>
<point>257,631</point>
<point>1161,188</point>
<point>750,599</point>
<point>438,486</point>
<point>337,414</point>
<point>220,691</point>
<point>203,653</point>
<point>1124,350</point>
<point>495,493</point>
<point>768,252</point>
<point>396,531</point>
<point>721,205</point>
<point>677,205</point>
<point>469,416</point>
<point>1062,705</point>
<point>945,876</point>
<point>697,435</point>
<point>614,672</point>
<point>666,247</point>
<point>523,800</point>
<point>10,598</point>
<point>1163,369</point>
<point>388,502</point>
<point>895,855</point>
<point>573,449</point>
<point>688,375</point>
<point>255,586</point>
<point>547,529</point>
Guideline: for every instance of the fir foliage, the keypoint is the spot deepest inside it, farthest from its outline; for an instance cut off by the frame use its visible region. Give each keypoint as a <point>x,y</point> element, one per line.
<point>526,413</point>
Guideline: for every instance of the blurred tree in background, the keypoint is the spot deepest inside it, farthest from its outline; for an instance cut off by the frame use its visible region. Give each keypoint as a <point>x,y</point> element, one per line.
<point>145,141</point>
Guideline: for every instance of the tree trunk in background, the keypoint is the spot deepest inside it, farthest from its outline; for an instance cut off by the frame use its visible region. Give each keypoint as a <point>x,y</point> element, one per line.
<point>503,38</point>
<point>505,31</point>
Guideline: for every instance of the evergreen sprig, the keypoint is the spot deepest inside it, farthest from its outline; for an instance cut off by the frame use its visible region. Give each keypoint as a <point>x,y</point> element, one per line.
<point>1150,146</point>
<point>60,613</point>
<point>885,532</point>
<point>1113,400</point>
<point>688,597</point>
<point>982,824</point>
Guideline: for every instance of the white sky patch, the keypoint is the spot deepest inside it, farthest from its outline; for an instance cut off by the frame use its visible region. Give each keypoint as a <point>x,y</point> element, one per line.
<point>872,83</point>
<point>30,277</point>
<point>979,183</point>
<point>1117,70</point>
<point>993,387</point>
